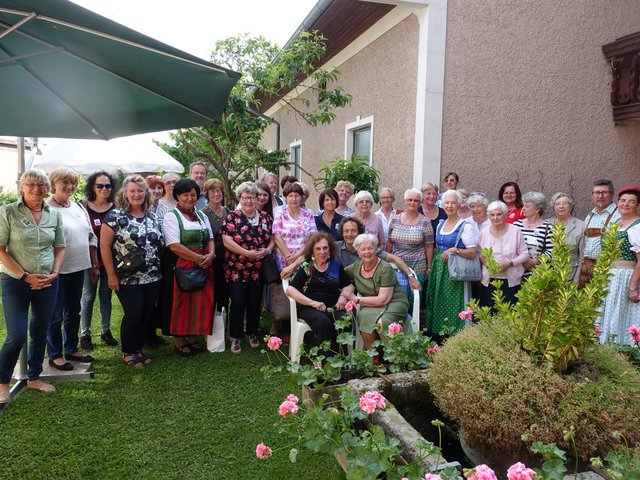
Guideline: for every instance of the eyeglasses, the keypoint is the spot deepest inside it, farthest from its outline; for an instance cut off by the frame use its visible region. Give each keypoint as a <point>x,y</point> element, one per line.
<point>386,198</point>
<point>247,197</point>
<point>412,200</point>
<point>34,185</point>
<point>100,186</point>
<point>602,193</point>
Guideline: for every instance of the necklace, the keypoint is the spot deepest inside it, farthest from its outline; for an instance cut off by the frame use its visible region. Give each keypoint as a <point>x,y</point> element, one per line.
<point>34,209</point>
<point>67,205</point>
<point>370,269</point>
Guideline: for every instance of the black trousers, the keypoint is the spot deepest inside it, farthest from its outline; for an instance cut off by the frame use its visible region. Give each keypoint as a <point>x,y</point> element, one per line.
<point>138,303</point>
<point>321,324</point>
<point>244,296</point>
<point>486,294</point>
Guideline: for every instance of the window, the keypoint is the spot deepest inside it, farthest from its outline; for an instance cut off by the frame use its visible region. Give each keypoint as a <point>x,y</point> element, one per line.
<point>295,157</point>
<point>359,138</point>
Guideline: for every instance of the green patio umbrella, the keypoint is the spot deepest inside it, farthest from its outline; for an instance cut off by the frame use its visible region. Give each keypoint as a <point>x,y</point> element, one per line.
<point>68,72</point>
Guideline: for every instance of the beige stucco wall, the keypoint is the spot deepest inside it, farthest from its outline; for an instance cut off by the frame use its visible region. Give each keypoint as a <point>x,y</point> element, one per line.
<point>382,80</point>
<point>526,95</point>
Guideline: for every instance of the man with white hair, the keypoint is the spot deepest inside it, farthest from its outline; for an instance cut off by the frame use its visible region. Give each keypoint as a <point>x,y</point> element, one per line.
<point>198,173</point>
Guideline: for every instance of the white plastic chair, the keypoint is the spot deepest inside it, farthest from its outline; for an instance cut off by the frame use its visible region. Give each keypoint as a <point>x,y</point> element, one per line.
<point>298,327</point>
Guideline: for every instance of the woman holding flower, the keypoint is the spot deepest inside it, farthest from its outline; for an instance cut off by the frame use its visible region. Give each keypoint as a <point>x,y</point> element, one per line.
<point>317,287</point>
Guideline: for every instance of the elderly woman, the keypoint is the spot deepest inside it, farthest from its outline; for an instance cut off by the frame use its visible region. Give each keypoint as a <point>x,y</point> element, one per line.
<point>508,248</point>
<point>411,238</point>
<point>216,213</point>
<point>80,256</point>
<point>246,234</point>
<point>345,191</point>
<point>537,232</point>
<point>328,220</point>
<point>478,203</point>
<point>446,298</point>
<point>386,210</point>
<point>372,223</point>
<point>130,241</point>
<point>511,196</point>
<point>317,286</point>
<point>381,301</point>
<point>167,202</point>
<point>156,187</point>
<point>429,209</point>
<point>621,307</point>
<point>31,255</point>
<point>562,205</point>
<point>99,193</point>
<point>187,233</point>
<point>271,179</point>
<point>465,211</point>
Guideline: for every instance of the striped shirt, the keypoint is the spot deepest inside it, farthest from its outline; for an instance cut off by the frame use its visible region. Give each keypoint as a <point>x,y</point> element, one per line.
<point>409,241</point>
<point>538,239</point>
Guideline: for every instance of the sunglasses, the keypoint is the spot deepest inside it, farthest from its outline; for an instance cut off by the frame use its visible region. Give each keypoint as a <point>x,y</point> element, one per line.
<point>100,186</point>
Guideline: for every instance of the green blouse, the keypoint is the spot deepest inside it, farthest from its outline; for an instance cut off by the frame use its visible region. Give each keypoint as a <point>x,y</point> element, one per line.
<point>30,244</point>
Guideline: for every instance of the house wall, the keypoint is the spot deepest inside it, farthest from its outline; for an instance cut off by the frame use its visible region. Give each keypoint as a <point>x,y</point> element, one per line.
<point>382,80</point>
<point>526,96</point>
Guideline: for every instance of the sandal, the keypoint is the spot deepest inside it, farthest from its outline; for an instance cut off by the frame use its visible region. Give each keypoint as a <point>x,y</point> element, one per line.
<point>132,361</point>
<point>143,358</point>
<point>184,350</point>
<point>195,347</point>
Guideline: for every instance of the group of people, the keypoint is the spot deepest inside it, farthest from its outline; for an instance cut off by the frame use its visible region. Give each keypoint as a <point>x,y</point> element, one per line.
<point>174,254</point>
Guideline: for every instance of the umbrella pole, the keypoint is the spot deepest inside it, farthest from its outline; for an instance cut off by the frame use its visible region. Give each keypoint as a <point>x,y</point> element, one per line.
<point>20,148</point>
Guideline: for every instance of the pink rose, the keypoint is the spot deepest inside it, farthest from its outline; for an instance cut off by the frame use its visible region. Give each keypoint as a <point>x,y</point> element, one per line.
<point>274,343</point>
<point>518,471</point>
<point>263,452</point>
<point>350,305</point>
<point>287,407</point>
<point>482,472</point>
<point>431,351</point>
<point>395,328</point>
<point>371,401</point>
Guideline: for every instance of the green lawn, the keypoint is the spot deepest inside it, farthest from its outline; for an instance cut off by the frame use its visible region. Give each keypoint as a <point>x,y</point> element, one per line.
<point>180,418</point>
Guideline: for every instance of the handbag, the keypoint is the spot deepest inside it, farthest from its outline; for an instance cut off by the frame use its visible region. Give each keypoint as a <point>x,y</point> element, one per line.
<point>270,273</point>
<point>463,269</point>
<point>130,264</point>
<point>190,279</point>
<point>216,341</point>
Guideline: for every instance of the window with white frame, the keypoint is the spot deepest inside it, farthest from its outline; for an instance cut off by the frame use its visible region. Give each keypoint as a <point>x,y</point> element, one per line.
<point>359,138</point>
<point>295,157</point>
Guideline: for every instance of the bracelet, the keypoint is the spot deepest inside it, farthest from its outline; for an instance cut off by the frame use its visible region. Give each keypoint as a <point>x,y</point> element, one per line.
<point>457,251</point>
<point>634,289</point>
<point>411,275</point>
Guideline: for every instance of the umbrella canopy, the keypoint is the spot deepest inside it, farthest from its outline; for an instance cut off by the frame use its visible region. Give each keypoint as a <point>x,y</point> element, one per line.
<point>67,72</point>
<point>129,155</point>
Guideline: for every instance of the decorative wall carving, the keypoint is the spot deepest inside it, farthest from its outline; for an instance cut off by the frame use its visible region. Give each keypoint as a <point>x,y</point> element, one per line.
<point>624,54</point>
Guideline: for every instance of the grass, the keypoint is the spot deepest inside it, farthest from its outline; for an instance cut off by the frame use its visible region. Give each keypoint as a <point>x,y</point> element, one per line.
<point>179,418</point>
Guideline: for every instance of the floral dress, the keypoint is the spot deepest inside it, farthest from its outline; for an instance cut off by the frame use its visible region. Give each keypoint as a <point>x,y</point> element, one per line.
<point>294,232</point>
<point>239,268</point>
<point>142,235</point>
<point>618,312</point>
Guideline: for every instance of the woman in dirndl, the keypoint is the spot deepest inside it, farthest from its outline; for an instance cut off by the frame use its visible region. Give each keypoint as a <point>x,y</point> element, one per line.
<point>446,298</point>
<point>188,236</point>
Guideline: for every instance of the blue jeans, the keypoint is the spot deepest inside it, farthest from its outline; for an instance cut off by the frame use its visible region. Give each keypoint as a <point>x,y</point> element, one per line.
<point>17,297</point>
<point>88,297</point>
<point>66,314</point>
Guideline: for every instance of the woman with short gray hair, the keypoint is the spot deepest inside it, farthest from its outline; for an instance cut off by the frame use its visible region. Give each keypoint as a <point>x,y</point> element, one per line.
<point>478,203</point>
<point>363,202</point>
<point>537,232</point>
<point>381,299</point>
<point>562,206</point>
<point>386,211</point>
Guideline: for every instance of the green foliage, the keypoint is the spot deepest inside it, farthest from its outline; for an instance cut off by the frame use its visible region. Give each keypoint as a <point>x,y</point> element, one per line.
<point>355,170</point>
<point>553,320</point>
<point>231,148</point>
<point>494,392</point>
<point>9,197</point>
<point>405,352</point>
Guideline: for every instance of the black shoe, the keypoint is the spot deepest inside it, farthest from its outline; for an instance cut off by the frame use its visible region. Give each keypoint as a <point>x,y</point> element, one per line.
<point>79,358</point>
<point>108,339</point>
<point>65,367</point>
<point>86,343</point>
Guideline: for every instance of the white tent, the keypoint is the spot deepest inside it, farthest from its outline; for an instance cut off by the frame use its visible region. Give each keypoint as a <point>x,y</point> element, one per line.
<point>128,154</point>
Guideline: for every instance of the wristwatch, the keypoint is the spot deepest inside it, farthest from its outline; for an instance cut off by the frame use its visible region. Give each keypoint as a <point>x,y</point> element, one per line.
<point>411,275</point>
<point>24,276</point>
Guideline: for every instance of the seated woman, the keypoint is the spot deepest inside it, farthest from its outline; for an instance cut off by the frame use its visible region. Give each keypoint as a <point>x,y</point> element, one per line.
<point>508,248</point>
<point>382,301</point>
<point>317,286</point>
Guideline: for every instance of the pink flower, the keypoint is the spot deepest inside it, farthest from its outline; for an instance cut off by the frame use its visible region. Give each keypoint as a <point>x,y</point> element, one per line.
<point>287,407</point>
<point>482,472</point>
<point>263,452</point>
<point>597,332</point>
<point>371,400</point>
<point>350,305</point>
<point>274,343</point>
<point>518,471</point>
<point>292,398</point>
<point>432,476</point>
<point>395,328</point>
<point>466,314</point>
<point>635,333</point>
<point>431,351</point>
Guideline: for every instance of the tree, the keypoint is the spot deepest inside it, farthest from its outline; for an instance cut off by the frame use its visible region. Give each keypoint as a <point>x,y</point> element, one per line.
<point>355,170</point>
<point>232,148</point>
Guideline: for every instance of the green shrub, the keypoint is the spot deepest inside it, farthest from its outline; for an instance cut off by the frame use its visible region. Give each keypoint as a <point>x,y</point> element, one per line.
<point>8,197</point>
<point>356,170</point>
<point>495,392</point>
